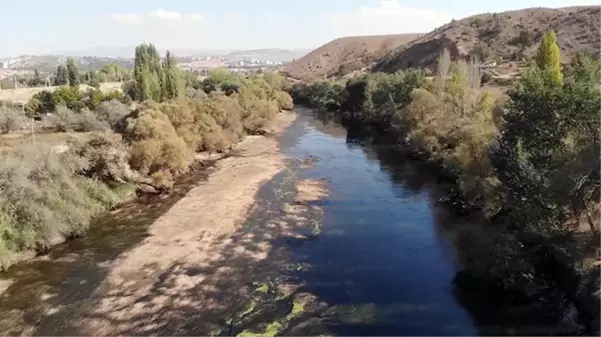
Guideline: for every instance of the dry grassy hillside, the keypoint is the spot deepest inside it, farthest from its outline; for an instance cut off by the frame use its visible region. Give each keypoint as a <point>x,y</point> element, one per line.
<point>345,55</point>
<point>511,35</point>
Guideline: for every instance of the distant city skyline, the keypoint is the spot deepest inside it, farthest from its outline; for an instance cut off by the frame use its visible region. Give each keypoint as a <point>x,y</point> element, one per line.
<point>47,27</point>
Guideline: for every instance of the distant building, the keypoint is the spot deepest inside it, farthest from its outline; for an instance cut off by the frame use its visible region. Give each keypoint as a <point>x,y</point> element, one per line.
<point>4,65</point>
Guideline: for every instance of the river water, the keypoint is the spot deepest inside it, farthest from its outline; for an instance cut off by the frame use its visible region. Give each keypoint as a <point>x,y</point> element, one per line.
<point>384,261</point>
<point>382,250</point>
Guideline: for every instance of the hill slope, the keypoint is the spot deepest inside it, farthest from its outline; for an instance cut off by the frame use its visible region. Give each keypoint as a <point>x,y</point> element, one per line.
<point>511,35</point>
<point>345,55</point>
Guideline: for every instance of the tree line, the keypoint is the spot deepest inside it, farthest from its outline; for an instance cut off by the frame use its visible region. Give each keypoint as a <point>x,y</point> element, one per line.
<point>147,135</point>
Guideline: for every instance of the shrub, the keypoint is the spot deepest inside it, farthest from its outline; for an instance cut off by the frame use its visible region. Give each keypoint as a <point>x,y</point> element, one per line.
<point>65,119</point>
<point>106,157</point>
<point>283,100</point>
<point>87,121</point>
<point>192,93</point>
<point>112,112</point>
<point>43,199</point>
<point>11,119</point>
<point>68,96</point>
<point>156,149</point>
<point>41,103</point>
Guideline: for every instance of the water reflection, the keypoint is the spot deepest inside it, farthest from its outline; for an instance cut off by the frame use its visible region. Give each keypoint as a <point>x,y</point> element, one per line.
<point>381,262</point>
<point>388,259</point>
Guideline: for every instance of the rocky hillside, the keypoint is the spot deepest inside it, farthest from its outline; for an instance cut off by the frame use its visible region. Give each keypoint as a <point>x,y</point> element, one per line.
<point>512,35</point>
<point>345,55</point>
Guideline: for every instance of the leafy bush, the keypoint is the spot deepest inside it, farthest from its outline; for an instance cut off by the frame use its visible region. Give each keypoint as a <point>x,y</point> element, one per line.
<point>65,119</point>
<point>106,157</point>
<point>283,100</point>
<point>88,121</point>
<point>112,112</point>
<point>11,119</point>
<point>156,149</point>
<point>43,199</point>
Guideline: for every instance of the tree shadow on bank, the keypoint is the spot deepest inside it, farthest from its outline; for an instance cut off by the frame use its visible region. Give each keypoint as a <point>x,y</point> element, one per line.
<point>243,286</point>
<point>42,294</point>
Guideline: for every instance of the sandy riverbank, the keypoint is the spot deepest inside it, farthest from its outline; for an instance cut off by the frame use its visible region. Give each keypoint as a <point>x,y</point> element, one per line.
<point>167,266</point>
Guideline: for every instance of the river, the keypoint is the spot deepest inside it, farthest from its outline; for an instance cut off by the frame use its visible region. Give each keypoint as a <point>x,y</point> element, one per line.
<point>381,261</point>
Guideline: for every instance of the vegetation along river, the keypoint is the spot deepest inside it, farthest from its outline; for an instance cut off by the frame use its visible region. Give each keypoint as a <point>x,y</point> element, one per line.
<point>345,239</point>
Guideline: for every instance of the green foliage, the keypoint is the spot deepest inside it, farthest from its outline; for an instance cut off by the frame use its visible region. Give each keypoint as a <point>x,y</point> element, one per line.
<point>105,155</point>
<point>43,199</point>
<point>156,149</point>
<point>112,112</point>
<point>62,76</point>
<point>47,194</point>
<point>173,86</point>
<point>68,96</point>
<point>40,103</point>
<point>72,73</point>
<point>147,73</point>
<point>548,58</point>
<point>112,72</point>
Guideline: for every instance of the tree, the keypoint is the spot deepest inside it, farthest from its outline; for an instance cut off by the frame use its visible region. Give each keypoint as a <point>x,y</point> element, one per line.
<point>147,73</point>
<point>548,58</point>
<point>172,79</point>
<point>72,72</point>
<point>37,80</point>
<point>61,77</point>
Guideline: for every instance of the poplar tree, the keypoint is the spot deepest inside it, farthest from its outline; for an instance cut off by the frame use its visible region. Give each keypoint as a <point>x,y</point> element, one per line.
<point>61,77</point>
<point>147,73</point>
<point>72,72</point>
<point>548,58</point>
<point>172,80</point>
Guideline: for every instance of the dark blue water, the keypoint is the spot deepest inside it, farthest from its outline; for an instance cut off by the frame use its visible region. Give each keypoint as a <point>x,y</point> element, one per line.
<point>382,257</point>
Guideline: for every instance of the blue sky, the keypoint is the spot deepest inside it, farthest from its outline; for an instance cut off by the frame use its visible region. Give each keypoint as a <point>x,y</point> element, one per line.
<point>62,25</point>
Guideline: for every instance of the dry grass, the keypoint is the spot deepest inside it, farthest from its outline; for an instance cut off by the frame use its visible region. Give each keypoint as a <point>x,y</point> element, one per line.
<point>345,55</point>
<point>22,95</point>
<point>577,30</point>
<point>11,140</point>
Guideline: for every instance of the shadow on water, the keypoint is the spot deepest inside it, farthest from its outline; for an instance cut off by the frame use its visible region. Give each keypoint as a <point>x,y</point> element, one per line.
<point>389,255</point>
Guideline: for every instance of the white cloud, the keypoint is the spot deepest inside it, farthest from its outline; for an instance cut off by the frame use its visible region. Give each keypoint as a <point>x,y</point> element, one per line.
<point>389,17</point>
<point>161,14</point>
<point>130,17</point>
<point>196,17</point>
<point>158,15</point>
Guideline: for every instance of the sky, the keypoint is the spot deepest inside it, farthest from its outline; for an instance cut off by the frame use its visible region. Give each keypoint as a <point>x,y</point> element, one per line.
<point>42,26</point>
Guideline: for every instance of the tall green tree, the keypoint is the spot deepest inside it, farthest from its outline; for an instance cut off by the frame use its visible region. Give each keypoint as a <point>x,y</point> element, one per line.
<point>72,72</point>
<point>548,58</point>
<point>147,73</point>
<point>172,85</point>
<point>61,77</point>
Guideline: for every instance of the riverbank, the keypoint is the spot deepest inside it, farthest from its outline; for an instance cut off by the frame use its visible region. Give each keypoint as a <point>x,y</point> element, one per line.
<point>144,262</point>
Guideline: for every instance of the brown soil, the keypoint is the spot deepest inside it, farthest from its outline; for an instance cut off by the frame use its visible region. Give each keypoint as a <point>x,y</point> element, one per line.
<point>345,55</point>
<point>177,265</point>
<point>494,35</point>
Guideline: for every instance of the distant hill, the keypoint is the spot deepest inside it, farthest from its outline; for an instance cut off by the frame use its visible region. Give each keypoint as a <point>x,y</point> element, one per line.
<point>511,35</point>
<point>345,55</point>
<point>282,55</point>
<point>274,54</point>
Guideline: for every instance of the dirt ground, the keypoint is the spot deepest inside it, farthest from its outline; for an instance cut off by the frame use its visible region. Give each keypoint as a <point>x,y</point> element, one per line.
<point>173,266</point>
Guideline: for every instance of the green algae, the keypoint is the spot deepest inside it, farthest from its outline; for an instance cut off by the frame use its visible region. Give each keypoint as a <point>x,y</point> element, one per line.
<point>263,288</point>
<point>251,307</point>
<point>298,307</point>
<point>270,330</point>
